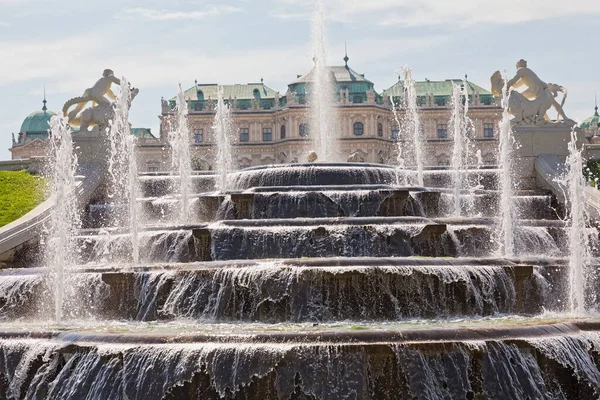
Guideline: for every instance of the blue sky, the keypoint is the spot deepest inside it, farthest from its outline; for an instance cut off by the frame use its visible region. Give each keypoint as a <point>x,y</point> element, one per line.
<point>65,45</point>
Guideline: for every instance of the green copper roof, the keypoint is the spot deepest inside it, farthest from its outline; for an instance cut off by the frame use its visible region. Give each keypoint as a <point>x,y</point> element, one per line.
<point>241,92</point>
<point>341,74</point>
<point>437,88</point>
<point>143,133</point>
<point>592,122</point>
<point>38,121</point>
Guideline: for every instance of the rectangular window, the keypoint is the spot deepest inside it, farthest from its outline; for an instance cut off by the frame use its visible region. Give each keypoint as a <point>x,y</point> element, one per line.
<point>395,133</point>
<point>488,130</point>
<point>244,135</point>
<point>198,136</point>
<point>442,131</point>
<point>267,134</point>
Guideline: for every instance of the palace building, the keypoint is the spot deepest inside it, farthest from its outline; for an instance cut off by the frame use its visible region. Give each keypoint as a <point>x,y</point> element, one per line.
<point>271,127</point>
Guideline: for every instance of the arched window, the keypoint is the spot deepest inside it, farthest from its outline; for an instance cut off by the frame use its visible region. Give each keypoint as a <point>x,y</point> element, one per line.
<point>200,95</point>
<point>282,132</point>
<point>303,130</point>
<point>380,130</point>
<point>256,93</point>
<point>359,128</point>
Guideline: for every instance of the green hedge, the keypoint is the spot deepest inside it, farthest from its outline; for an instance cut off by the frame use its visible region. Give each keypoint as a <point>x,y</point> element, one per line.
<point>20,192</point>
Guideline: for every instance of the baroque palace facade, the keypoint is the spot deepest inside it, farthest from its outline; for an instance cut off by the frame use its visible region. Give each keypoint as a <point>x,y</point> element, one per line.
<point>271,128</point>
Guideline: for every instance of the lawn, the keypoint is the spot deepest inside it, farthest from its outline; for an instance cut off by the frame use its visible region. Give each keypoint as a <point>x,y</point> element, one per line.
<point>20,192</point>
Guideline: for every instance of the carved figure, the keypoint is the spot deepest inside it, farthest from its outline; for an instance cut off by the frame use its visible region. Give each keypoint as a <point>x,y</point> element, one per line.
<point>530,106</point>
<point>95,94</point>
<point>100,115</point>
<point>312,156</point>
<point>355,157</point>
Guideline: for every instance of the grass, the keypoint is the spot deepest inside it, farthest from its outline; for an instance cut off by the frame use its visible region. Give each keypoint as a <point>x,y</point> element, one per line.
<point>20,192</point>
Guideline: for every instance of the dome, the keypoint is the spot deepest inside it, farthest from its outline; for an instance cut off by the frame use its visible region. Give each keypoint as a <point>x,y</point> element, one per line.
<point>591,122</point>
<point>38,121</point>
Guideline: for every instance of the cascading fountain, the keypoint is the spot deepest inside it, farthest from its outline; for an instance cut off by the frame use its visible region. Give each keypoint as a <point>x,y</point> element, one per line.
<point>579,238</point>
<point>460,124</point>
<point>122,169</point>
<point>222,128</point>
<point>179,140</point>
<point>323,119</point>
<point>507,218</point>
<point>61,251</point>
<point>412,124</point>
<point>400,162</point>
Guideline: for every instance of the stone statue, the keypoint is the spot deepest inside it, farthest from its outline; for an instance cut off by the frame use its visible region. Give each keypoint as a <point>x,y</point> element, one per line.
<point>355,157</point>
<point>100,115</point>
<point>312,157</point>
<point>95,94</point>
<point>530,106</point>
<point>102,110</point>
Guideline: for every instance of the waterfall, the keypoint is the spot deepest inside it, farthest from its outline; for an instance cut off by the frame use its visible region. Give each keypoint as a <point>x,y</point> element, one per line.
<point>507,223</point>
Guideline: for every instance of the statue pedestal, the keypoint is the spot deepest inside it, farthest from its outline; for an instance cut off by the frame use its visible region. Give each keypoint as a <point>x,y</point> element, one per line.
<point>532,141</point>
<point>91,147</point>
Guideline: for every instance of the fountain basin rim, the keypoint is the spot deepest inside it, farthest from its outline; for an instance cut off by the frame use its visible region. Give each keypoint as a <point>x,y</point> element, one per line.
<point>383,336</point>
<point>350,263</point>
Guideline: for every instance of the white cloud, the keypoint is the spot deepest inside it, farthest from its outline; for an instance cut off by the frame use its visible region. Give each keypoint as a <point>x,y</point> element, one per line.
<point>168,15</point>
<point>4,24</point>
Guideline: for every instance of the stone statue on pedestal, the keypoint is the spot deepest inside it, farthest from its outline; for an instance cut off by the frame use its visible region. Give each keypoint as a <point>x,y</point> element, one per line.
<point>102,110</point>
<point>530,106</point>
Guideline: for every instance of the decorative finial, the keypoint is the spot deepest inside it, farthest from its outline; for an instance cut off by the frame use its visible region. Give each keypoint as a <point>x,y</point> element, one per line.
<point>44,108</point>
<point>346,58</point>
<point>195,82</point>
<point>261,79</point>
<point>466,77</point>
<point>315,59</point>
<point>596,102</point>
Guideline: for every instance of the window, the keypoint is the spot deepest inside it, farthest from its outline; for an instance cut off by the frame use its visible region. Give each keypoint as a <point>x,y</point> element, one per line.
<point>357,99</point>
<point>395,133</point>
<point>267,134</point>
<point>200,95</point>
<point>488,130</point>
<point>304,130</point>
<point>359,128</point>
<point>282,132</point>
<point>442,131</point>
<point>152,166</point>
<point>244,135</point>
<point>380,130</point>
<point>198,136</point>
<point>256,93</point>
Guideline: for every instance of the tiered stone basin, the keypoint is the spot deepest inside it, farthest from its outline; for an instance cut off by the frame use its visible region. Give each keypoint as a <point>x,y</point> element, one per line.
<point>314,281</point>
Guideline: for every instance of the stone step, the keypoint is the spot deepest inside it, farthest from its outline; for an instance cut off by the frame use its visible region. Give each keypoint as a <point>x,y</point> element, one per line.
<point>318,290</point>
<point>552,360</point>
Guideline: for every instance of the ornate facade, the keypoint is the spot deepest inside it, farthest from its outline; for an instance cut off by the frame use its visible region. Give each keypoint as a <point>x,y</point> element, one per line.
<point>272,128</point>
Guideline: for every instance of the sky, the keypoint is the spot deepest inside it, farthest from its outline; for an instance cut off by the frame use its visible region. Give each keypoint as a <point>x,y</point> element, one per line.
<point>64,45</point>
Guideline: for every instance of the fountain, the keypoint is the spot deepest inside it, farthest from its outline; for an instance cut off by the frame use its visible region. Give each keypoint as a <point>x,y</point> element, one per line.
<point>179,140</point>
<point>61,251</point>
<point>323,122</point>
<point>309,281</point>
<point>507,223</point>
<point>413,124</point>
<point>122,169</point>
<point>579,236</point>
<point>222,127</point>
<point>460,125</point>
